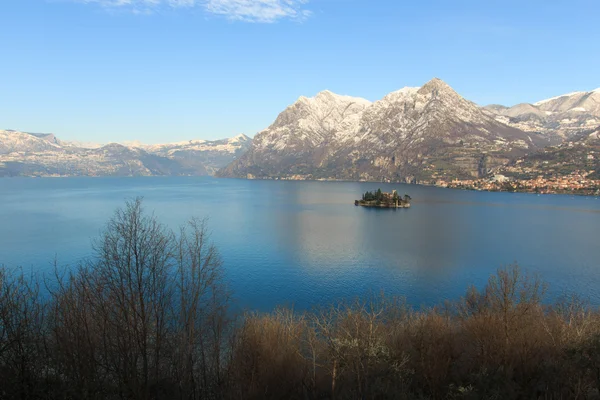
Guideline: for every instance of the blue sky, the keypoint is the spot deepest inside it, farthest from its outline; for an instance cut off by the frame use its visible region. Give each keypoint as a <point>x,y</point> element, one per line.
<point>171,70</point>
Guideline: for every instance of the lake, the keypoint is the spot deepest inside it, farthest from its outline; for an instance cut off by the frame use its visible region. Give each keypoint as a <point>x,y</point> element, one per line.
<point>305,243</point>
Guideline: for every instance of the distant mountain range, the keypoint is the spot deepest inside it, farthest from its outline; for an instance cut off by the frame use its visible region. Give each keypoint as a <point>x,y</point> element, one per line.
<point>421,134</point>
<point>34,154</point>
<point>558,118</point>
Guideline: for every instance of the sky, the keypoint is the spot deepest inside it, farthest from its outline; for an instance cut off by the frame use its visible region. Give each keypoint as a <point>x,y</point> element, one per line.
<point>171,70</point>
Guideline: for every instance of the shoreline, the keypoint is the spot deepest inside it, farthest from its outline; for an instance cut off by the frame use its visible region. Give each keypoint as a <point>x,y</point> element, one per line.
<point>593,192</point>
<point>587,192</point>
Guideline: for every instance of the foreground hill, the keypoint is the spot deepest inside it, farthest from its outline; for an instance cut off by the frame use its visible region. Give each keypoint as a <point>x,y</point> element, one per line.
<point>413,135</point>
<point>31,154</point>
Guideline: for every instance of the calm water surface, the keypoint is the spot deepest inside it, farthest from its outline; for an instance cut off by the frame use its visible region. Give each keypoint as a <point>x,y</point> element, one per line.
<point>305,243</point>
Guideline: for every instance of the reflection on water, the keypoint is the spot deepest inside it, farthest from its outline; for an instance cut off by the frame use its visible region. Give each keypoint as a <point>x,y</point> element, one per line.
<point>306,243</point>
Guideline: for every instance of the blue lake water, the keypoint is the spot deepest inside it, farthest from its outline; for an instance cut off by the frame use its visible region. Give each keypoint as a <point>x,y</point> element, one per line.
<point>305,243</point>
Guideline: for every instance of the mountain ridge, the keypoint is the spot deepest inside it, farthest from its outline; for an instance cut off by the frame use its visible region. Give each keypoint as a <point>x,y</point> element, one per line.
<point>399,137</point>
<point>33,154</point>
<point>413,134</point>
<point>559,118</point>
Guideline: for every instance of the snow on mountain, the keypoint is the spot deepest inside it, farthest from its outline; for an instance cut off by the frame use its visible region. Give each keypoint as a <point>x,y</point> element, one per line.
<point>23,153</point>
<point>401,113</point>
<point>231,145</point>
<point>21,142</point>
<point>206,155</point>
<point>590,101</point>
<point>558,118</point>
<point>408,135</point>
<point>413,134</point>
<point>318,118</point>
<point>539,103</point>
<point>82,145</point>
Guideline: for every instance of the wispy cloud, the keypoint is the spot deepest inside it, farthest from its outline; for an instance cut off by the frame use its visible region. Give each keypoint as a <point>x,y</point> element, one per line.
<point>260,11</point>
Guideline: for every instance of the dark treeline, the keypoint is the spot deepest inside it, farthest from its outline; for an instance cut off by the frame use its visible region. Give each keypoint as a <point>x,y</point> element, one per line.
<point>147,318</point>
<point>373,196</point>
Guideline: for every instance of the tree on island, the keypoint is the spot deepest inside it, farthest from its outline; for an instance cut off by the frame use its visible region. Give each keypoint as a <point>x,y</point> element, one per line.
<point>379,197</point>
<point>373,196</point>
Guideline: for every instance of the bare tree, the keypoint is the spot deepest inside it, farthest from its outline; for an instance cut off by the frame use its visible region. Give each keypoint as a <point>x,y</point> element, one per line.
<point>23,355</point>
<point>201,314</point>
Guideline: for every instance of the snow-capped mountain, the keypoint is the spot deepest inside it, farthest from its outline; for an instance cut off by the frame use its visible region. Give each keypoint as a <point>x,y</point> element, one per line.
<point>576,101</point>
<point>414,134</point>
<point>201,157</point>
<point>311,123</point>
<point>559,117</point>
<point>27,154</point>
<point>18,142</point>
<point>231,145</point>
<point>420,134</point>
<point>35,154</point>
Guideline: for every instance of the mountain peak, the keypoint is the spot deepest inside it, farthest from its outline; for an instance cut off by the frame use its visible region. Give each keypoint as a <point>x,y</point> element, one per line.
<point>437,82</point>
<point>326,92</point>
<point>327,95</point>
<point>239,137</point>
<point>322,95</point>
<point>436,79</point>
<point>438,85</point>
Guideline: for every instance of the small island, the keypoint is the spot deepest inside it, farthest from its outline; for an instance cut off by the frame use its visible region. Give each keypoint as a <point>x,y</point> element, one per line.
<point>383,200</point>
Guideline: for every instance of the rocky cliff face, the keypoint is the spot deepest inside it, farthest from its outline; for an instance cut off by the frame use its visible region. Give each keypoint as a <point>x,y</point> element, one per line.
<point>27,154</point>
<point>414,134</point>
